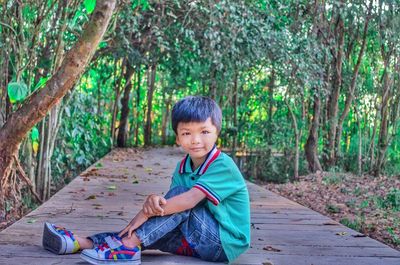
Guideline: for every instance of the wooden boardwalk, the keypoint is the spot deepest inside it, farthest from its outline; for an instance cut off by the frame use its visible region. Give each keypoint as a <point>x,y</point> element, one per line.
<point>106,196</point>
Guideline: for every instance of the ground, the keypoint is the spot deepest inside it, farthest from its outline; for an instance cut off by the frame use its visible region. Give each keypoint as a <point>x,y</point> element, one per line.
<point>367,204</point>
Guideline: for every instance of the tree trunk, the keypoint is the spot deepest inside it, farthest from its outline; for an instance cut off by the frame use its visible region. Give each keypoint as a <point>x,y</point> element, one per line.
<point>271,85</point>
<point>383,132</point>
<point>138,107</point>
<point>235,117</point>
<point>123,122</point>
<point>333,104</point>
<point>352,87</point>
<point>311,146</point>
<point>359,158</point>
<point>371,149</point>
<point>297,140</point>
<point>38,104</point>
<point>117,95</point>
<point>168,102</point>
<point>150,91</point>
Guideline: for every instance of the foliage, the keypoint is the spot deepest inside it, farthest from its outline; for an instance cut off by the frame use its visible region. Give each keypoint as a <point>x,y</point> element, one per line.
<point>257,59</point>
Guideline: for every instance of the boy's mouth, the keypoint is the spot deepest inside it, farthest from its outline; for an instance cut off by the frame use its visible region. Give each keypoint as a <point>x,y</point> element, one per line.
<point>196,149</point>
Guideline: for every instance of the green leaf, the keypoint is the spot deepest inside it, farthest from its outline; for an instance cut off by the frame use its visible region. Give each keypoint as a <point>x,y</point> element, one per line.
<point>31,221</point>
<point>17,91</point>
<point>103,44</point>
<point>28,13</point>
<point>35,134</point>
<point>112,187</point>
<point>42,82</point>
<point>89,5</point>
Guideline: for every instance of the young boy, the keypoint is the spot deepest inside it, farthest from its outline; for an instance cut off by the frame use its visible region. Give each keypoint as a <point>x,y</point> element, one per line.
<point>205,214</point>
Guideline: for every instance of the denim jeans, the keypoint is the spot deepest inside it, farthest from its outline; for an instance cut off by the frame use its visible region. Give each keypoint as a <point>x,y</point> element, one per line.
<point>193,232</point>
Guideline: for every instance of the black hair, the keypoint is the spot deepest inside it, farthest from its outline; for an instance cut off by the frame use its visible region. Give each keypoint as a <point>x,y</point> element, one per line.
<point>196,109</point>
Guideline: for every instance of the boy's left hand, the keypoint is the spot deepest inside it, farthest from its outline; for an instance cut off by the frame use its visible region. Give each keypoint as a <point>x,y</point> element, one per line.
<point>152,205</point>
<point>137,221</point>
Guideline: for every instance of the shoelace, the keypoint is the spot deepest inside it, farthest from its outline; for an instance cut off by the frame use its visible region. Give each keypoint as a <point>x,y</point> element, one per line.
<point>63,231</point>
<point>104,246</point>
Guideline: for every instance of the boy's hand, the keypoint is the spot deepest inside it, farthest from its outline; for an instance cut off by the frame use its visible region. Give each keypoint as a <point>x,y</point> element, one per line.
<point>137,221</point>
<point>152,206</point>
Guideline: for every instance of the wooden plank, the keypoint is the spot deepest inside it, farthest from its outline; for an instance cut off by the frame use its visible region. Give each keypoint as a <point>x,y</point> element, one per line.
<point>302,235</point>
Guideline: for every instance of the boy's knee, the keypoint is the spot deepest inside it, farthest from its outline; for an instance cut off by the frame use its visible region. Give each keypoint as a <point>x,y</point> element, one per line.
<point>176,191</point>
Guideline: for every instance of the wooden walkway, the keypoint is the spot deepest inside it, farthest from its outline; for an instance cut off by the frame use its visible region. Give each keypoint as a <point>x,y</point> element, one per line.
<point>106,196</point>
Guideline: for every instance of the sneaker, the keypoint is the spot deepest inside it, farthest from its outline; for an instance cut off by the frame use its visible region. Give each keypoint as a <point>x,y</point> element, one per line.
<point>112,251</point>
<point>59,240</point>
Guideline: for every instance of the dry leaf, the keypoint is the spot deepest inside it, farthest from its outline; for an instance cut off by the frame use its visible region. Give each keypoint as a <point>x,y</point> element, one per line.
<point>269,248</point>
<point>359,235</point>
<point>330,223</point>
<point>91,197</point>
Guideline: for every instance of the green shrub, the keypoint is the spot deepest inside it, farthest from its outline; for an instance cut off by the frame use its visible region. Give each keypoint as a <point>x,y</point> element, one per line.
<point>353,224</point>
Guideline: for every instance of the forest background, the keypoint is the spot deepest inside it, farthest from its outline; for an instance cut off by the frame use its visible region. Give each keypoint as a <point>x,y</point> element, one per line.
<point>305,87</point>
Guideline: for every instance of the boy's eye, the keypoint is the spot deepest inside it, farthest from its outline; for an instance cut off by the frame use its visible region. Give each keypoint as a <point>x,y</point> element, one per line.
<point>205,132</point>
<point>185,133</point>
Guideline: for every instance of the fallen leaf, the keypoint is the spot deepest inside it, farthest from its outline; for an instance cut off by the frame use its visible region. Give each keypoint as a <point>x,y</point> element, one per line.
<point>111,194</point>
<point>330,223</point>
<point>341,233</point>
<point>359,235</point>
<point>135,181</point>
<point>112,187</point>
<point>148,169</point>
<point>269,248</point>
<point>91,197</point>
<point>31,221</point>
<point>139,165</point>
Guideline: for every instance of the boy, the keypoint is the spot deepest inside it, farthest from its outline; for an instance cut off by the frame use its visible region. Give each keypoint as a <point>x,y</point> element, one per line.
<point>205,214</point>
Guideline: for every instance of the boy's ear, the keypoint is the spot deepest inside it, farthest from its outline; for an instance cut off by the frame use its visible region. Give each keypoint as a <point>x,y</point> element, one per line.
<point>177,140</point>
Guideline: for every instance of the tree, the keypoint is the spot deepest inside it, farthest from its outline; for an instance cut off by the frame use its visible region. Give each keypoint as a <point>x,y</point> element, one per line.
<point>38,104</point>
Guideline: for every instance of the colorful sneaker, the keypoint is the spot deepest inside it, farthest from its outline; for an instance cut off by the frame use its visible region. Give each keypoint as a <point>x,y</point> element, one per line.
<point>112,251</point>
<point>59,240</point>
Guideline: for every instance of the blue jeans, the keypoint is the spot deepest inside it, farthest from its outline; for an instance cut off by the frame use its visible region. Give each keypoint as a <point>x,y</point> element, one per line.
<point>193,232</point>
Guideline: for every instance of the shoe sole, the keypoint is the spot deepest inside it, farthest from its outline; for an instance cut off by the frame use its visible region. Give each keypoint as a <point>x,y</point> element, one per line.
<point>95,261</point>
<point>52,240</point>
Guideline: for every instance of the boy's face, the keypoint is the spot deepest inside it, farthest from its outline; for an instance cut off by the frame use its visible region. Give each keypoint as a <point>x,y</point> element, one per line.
<point>197,139</point>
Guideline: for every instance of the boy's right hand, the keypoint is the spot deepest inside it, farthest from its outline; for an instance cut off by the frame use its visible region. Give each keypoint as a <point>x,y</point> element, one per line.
<point>152,205</point>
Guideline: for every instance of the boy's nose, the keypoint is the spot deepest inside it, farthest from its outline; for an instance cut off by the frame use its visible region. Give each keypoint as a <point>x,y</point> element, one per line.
<point>195,140</point>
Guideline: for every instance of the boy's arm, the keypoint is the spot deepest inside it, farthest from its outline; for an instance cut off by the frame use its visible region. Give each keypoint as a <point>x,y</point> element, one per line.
<point>179,203</point>
<point>137,221</point>
<point>183,201</point>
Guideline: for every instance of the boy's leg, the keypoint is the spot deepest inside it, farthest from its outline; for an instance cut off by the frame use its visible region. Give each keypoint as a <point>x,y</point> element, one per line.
<point>98,239</point>
<point>174,242</point>
<point>199,232</point>
<point>59,240</point>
